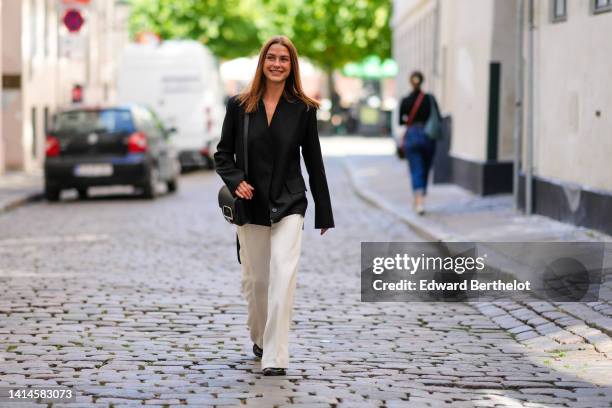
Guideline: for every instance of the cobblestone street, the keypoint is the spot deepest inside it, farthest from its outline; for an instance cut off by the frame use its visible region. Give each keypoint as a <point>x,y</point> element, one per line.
<point>136,302</point>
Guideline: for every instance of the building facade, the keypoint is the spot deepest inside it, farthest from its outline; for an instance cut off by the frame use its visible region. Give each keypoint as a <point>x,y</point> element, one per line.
<point>43,62</point>
<point>572,111</point>
<point>2,153</point>
<point>469,52</point>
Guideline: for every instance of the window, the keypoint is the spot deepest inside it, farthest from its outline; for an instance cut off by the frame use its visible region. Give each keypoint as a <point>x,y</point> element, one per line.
<point>558,10</point>
<point>33,28</point>
<point>81,122</point>
<point>33,36</point>
<point>600,6</point>
<point>46,120</point>
<point>34,132</point>
<point>45,17</point>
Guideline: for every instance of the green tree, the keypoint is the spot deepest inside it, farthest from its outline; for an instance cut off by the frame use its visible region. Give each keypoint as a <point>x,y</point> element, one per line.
<point>330,33</point>
<point>229,28</point>
<point>333,33</point>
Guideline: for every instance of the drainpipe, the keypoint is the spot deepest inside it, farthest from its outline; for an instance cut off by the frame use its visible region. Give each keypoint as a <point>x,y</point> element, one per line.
<point>530,112</point>
<point>518,106</point>
<point>436,51</point>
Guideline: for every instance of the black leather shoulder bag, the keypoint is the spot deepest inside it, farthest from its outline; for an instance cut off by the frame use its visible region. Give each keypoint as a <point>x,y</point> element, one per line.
<point>235,209</point>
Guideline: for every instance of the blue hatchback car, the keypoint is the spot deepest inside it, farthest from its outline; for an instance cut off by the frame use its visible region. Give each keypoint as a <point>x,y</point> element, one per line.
<point>123,145</point>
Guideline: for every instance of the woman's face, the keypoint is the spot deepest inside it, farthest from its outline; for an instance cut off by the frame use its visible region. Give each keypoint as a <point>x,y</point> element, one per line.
<point>277,64</point>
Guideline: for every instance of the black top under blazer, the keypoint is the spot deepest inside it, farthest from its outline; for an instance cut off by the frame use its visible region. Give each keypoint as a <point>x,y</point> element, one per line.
<point>422,114</point>
<point>274,161</point>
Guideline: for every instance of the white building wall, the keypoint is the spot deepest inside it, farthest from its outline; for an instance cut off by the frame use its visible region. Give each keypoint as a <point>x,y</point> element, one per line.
<point>12,106</point>
<point>34,43</point>
<point>573,106</point>
<point>2,153</point>
<point>504,49</point>
<point>453,43</point>
<point>466,35</point>
<point>414,45</point>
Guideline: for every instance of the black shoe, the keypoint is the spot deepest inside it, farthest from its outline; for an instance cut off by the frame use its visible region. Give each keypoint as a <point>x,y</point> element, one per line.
<point>257,350</point>
<point>274,371</point>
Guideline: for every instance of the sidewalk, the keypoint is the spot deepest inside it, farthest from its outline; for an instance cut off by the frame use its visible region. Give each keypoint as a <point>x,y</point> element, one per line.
<point>17,188</point>
<point>454,214</point>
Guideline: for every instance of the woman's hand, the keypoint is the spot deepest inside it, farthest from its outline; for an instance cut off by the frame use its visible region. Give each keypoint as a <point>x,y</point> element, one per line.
<point>244,190</point>
<point>323,230</point>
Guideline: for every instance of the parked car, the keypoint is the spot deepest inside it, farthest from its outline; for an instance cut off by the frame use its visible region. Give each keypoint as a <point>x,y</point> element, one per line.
<point>209,152</point>
<point>122,145</point>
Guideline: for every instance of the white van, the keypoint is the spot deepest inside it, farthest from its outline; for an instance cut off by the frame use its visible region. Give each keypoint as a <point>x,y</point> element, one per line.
<point>180,81</point>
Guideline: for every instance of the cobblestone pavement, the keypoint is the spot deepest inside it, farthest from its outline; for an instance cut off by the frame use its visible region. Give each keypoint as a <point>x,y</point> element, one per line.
<point>575,331</point>
<point>137,302</point>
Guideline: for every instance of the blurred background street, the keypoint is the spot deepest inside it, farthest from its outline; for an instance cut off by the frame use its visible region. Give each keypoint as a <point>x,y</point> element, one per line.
<point>118,275</point>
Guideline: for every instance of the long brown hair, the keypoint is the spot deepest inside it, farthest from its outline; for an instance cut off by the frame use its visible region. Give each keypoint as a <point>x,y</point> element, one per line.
<point>293,84</point>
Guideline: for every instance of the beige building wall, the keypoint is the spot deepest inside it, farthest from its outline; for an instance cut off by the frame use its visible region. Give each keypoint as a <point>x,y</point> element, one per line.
<point>414,30</point>
<point>474,34</point>
<point>11,79</point>
<point>466,37</point>
<point>453,43</point>
<point>1,134</point>
<point>49,61</point>
<point>504,49</point>
<point>573,98</point>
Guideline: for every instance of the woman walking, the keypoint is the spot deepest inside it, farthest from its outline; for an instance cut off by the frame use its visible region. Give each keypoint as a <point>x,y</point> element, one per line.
<point>419,148</point>
<point>281,120</point>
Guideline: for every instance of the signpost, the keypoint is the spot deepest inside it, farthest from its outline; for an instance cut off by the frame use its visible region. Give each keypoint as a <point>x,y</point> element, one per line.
<point>74,34</point>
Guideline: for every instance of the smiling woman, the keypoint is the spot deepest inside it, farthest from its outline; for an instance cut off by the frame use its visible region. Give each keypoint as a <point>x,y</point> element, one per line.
<point>277,67</point>
<point>282,119</point>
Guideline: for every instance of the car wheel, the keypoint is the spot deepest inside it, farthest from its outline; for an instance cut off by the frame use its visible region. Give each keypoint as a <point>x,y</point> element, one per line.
<point>172,185</point>
<point>82,193</point>
<point>52,194</point>
<point>149,189</point>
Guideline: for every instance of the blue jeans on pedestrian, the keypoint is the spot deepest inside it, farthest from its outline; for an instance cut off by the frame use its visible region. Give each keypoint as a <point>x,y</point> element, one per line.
<point>420,150</point>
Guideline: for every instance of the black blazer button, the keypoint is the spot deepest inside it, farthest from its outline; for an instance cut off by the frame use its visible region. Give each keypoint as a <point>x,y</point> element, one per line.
<point>274,210</point>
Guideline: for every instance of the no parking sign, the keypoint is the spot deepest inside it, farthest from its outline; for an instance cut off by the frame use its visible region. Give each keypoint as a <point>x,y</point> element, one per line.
<point>73,20</point>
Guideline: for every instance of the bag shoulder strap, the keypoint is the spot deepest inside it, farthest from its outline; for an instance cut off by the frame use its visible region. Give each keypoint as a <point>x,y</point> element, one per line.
<point>415,108</point>
<point>245,141</point>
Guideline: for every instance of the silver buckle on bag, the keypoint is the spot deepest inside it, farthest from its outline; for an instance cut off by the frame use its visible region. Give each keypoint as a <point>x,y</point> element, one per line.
<point>228,210</point>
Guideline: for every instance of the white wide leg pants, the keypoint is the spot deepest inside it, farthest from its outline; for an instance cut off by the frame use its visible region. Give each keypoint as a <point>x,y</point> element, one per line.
<point>270,257</point>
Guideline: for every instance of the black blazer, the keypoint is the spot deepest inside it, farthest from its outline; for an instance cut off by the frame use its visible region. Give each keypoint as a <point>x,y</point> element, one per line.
<point>422,114</point>
<point>274,161</point>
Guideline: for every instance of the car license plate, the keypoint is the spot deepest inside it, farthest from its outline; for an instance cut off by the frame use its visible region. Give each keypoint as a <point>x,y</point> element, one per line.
<point>93,170</point>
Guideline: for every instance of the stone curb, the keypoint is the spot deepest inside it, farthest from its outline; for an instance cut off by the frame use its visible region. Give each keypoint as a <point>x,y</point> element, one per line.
<point>19,201</point>
<point>424,228</point>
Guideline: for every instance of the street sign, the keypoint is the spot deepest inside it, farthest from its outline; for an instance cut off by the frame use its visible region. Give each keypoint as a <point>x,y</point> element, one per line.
<point>78,2</point>
<point>77,94</point>
<point>73,20</point>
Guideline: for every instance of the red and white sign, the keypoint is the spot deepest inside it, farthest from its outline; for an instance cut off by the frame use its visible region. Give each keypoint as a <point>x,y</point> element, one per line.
<point>73,20</point>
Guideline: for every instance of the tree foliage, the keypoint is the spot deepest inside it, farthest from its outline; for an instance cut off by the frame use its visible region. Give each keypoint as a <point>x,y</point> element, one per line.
<point>227,27</point>
<point>335,32</point>
<point>328,32</point>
